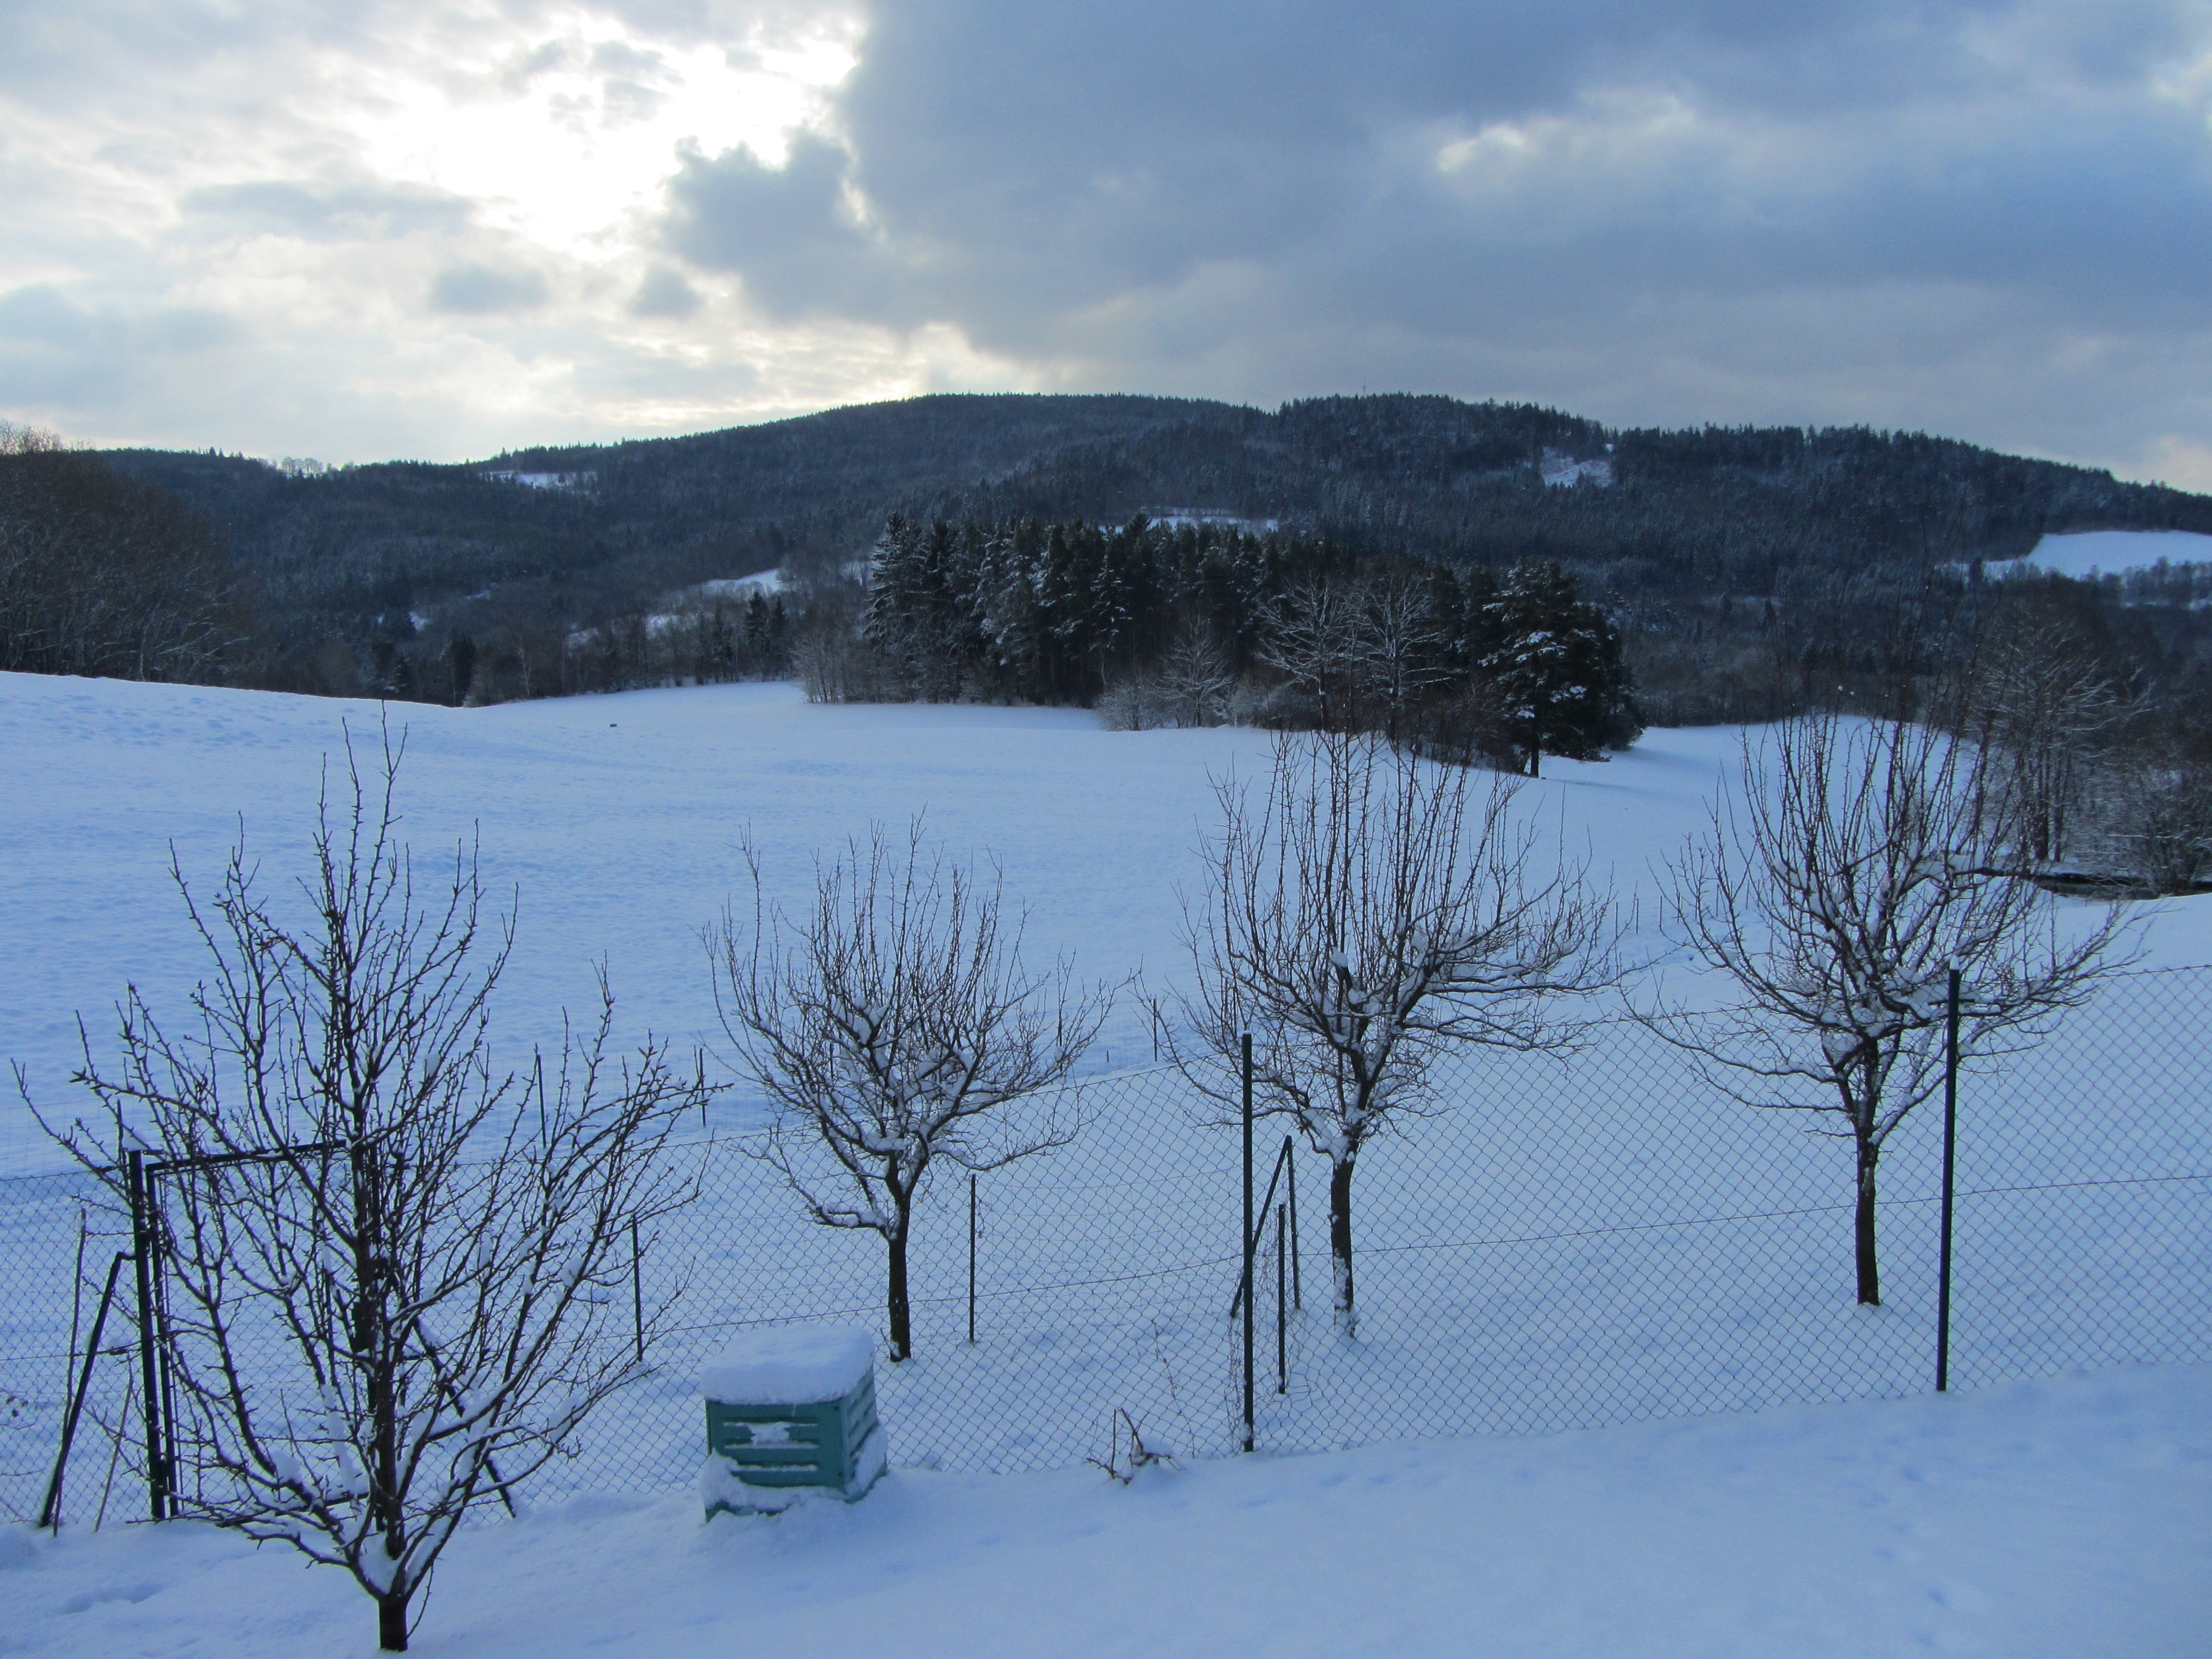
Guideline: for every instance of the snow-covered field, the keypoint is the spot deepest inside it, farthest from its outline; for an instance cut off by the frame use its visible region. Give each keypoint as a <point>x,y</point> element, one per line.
<point>2068,1519</point>
<point>1644,1255</point>
<point>614,822</point>
<point>2116,552</point>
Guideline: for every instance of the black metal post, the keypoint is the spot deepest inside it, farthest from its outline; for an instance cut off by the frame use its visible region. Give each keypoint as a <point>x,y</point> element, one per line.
<point>157,1481</point>
<point>1246,1288</point>
<point>1290,1169</point>
<point>1282,1314</point>
<point>972,1259</point>
<point>637,1290</point>
<point>49,1512</point>
<point>1950,1162</point>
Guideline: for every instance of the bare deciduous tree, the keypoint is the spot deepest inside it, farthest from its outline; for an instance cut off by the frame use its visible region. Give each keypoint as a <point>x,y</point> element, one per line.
<point>1368,910</point>
<point>391,1267</point>
<point>1858,865</point>
<point>1399,644</point>
<point>1312,639</point>
<point>2043,713</point>
<point>892,1027</point>
<point>1196,677</point>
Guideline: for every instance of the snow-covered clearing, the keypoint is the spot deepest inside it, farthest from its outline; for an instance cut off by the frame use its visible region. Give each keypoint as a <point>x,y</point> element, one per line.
<point>2114,552</point>
<point>2068,1519</point>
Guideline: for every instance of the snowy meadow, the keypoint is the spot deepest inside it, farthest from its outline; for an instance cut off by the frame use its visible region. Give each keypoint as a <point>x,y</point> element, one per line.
<point>1518,1284</point>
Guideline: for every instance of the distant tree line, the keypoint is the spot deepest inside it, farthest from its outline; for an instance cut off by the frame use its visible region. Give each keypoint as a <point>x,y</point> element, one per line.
<point>1750,573</point>
<point>1194,623</point>
<point>101,577</point>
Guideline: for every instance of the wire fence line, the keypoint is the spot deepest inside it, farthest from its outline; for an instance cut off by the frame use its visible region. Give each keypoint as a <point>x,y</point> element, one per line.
<point>1570,1241</point>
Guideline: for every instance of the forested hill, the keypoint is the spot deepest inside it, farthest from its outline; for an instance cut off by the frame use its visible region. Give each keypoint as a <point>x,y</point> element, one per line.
<point>389,561</point>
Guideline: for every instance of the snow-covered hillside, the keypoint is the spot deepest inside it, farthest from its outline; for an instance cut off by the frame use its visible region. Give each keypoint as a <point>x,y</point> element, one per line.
<point>614,823</point>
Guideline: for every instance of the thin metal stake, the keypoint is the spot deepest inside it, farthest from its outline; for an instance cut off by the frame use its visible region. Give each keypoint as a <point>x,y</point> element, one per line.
<point>1290,1169</point>
<point>1247,1241</point>
<point>1282,1318</point>
<point>972,1259</point>
<point>49,1512</point>
<point>637,1290</point>
<point>1950,1160</point>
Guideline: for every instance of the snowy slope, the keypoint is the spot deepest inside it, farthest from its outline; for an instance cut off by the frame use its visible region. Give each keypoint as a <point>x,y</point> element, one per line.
<point>2114,552</point>
<point>2061,1520</point>
<point>616,821</point>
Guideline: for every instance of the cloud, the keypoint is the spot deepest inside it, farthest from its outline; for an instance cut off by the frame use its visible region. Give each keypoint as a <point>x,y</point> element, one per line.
<point>790,230</point>
<point>326,212</point>
<point>483,291</point>
<point>1643,211</point>
<point>664,292</point>
<point>1988,217</point>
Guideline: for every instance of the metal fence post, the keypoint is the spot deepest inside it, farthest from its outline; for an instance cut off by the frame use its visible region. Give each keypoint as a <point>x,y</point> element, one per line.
<point>1247,1240</point>
<point>972,1259</point>
<point>142,1247</point>
<point>1950,1158</point>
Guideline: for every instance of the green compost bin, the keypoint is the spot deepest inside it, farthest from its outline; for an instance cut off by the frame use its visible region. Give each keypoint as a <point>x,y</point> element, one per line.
<point>790,1410</point>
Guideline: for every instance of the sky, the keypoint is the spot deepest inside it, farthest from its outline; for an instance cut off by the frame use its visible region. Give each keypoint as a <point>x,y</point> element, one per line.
<point>393,228</point>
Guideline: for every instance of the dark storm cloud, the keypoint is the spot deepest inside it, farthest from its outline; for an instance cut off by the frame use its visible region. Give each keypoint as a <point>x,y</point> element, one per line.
<point>787,228</point>
<point>1984,216</point>
<point>1134,184</point>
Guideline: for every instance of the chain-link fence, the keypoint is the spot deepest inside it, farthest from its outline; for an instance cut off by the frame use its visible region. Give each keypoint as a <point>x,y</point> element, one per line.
<point>1568,1240</point>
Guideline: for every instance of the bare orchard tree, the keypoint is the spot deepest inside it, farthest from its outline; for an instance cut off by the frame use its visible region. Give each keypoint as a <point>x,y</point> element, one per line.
<point>892,1027</point>
<point>1367,912</point>
<point>1858,865</point>
<point>391,1269</point>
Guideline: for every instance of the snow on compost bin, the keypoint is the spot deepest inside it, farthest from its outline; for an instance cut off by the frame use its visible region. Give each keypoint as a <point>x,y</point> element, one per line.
<point>791,1409</point>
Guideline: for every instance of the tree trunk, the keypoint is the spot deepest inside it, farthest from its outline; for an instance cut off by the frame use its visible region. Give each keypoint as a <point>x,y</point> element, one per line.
<point>1340,1243</point>
<point>899,1309</point>
<point>1869,1273</point>
<point>392,1620</point>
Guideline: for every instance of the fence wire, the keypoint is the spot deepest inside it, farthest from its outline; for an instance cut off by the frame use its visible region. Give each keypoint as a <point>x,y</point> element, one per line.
<point>1566,1241</point>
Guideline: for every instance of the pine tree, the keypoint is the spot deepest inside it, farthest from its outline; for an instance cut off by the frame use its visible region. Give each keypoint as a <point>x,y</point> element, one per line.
<point>1557,665</point>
